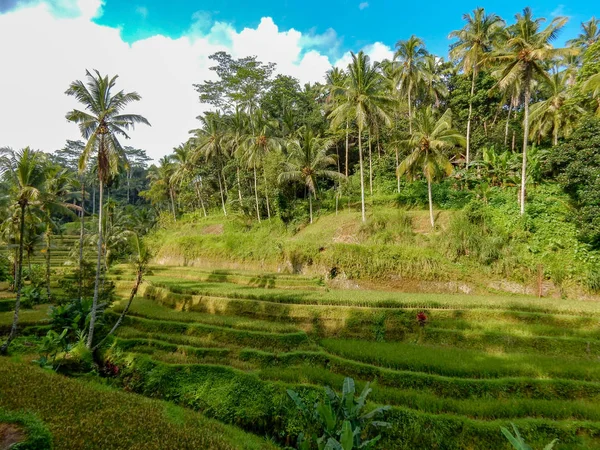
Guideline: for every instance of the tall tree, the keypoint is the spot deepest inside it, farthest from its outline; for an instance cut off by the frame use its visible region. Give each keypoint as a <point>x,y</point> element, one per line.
<point>430,142</point>
<point>336,80</point>
<point>101,123</point>
<point>475,40</point>
<point>210,142</point>
<point>409,54</point>
<point>308,163</point>
<point>25,172</point>
<point>555,114</point>
<point>527,50</point>
<point>590,34</point>
<point>364,100</point>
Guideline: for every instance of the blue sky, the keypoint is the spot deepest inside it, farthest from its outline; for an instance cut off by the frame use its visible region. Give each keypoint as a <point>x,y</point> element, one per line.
<point>356,22</point>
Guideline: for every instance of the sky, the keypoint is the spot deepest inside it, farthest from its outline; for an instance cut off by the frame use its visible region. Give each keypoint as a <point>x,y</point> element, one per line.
<point>160,48</point>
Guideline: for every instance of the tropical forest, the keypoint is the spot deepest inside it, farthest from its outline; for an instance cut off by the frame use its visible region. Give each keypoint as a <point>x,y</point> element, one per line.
<point>404,255</point>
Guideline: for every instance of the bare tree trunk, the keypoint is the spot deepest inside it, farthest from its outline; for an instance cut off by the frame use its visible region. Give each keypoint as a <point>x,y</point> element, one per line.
<point>469,118</point>
<point>239,185</point>
<point>93,201</point>
<point>430,203</point>
<point>221,192</point>
<point>370,167</point>
<point>199,195</point>
<point>132,294</point>
<point>18,283</point>
<point>397,175</point>
<point>310,206</point>
<point>362,176</point>
<point>267,194</point>
<point>172,195</point>
<point>90,338</point>
<point>409,110</point>
<point>347,137</point>
<point>510,104</point>
<point>48,293</point>
<point>81,235</point>
<point>525,138</point>
<point>256,194</point>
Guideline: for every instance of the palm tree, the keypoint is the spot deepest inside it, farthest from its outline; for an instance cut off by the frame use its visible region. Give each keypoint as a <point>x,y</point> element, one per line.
<point>409,54</point>
<point>237,131</point>
<point>592,86</point>
<point>475,40</point>
<point>336,80</point>
<point>210,141</point>
<point>433,83</point>
<point>555,114</point>
<point>184,158</point>
<point>527,49</point>
<point>365,100</point>
<point>26,172</point>
<point>102,122</point>
<point>308,162</point>
<point>590,34</point>
<point>162,176</point>
<point>261,141</point>
<point>430,143</point>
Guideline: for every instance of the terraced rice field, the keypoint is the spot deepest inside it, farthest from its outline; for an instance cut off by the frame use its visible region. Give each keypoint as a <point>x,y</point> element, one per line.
<point>480,362</point>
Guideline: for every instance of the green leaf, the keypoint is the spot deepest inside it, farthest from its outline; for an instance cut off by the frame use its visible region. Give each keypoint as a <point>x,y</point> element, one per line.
<point>347,436</point>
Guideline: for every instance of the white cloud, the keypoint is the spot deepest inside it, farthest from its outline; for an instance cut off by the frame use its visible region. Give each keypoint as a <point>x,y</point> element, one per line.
<point>377,52</point>
<point>363,5</point>
<point>38,67</point>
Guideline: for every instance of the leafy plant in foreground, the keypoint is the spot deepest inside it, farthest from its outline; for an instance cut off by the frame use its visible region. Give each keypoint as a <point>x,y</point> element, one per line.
<point>338,422</point>
<point>517,441</point>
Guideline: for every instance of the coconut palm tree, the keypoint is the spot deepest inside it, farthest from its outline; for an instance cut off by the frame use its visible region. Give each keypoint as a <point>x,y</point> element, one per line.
<point>102,123</point>
<point>261,140</point>
<point>554,114</point>
<point>433,83</point>
<point>408,56</point>
<point>210,142</point>
<point>592,86</point>
<point>522,59</point>
<point>475,40</point>
<point>25,171</point>
<point>431,142</point>
<point>336,80</point>
<point>365,100</point>
<point>308,162</point>
<point>590,34</point>
<point>162,177</point>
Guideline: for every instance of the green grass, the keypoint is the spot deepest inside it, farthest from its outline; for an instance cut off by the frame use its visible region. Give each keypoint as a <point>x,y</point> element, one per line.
<point>37,436</point>
<point>82,414</point>
<point>455,362</point>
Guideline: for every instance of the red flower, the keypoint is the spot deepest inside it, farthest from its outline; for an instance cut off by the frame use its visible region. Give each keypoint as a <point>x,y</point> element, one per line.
<point>421,318</point>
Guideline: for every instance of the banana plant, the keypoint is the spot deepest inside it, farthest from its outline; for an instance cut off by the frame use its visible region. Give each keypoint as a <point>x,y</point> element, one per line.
<point>338,422</point>
<point>517,441</point>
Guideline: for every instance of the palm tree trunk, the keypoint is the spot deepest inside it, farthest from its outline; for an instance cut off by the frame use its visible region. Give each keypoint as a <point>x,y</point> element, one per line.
<point>510,104</point>
<point>347,136</point>
<point>370,167</point>
<point>397,165</point>
<point>310,206</point>
<point>200,198</point>
<point>555,136</point>
<point>525,138</point>
<point>267,194</point>
<point>48,294</point>
<point>90,337</point>
<point>128,184</point>
<point>469,117</point>
<point>172,196</point>
<point>362,176</point>
<point>256,194</point>
<point>18,283</point>
<point>221,192</point>
<point>132,294</point>
<point>239,185</point>
<point>409,109</point>
<point>430,202</point>
<point>81,234</point>
<point>93,201</point>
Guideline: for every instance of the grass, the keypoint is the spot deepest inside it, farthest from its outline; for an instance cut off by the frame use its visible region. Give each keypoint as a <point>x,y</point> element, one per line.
<point>455,362</point>
<point>82,414</point>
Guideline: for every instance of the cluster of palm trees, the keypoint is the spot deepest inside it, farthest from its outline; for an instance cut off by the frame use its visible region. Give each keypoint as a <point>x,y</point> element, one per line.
<point>400,107</point>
